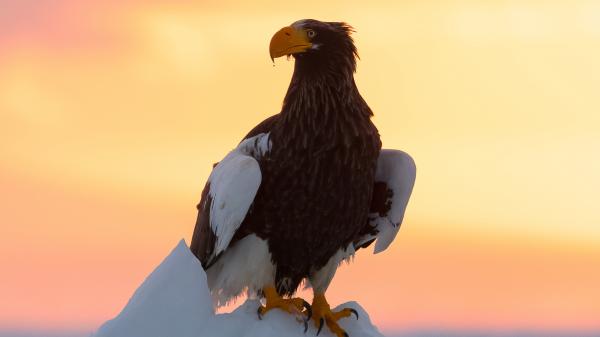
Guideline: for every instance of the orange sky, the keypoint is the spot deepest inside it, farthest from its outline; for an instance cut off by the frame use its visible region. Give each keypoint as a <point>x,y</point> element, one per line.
<point>112,114</point>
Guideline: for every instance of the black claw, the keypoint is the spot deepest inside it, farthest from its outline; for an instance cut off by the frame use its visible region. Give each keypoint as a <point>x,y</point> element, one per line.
<point>346,334</point>
<point>321,322</point>
<point>308,309</point>
<point>305,325</point>
<point>354,312</point>
<point>259,313</point>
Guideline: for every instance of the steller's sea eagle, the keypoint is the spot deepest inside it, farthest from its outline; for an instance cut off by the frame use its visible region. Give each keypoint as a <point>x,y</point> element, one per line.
<point>305,188</point>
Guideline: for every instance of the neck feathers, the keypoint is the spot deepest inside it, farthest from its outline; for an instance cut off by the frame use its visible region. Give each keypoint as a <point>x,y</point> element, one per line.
<point>323,111</point>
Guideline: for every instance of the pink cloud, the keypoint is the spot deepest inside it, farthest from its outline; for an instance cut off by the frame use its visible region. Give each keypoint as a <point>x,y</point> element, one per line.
<point>62,24</point>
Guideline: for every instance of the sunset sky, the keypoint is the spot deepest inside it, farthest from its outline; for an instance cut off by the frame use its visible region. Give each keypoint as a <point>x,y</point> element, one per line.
<point>112,113</point>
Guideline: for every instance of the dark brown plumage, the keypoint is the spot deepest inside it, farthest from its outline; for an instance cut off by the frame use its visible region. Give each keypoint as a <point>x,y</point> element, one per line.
<point>318,179</point>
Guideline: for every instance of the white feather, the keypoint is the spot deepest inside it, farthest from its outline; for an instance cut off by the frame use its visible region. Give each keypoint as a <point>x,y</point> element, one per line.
<point>233,186</point>
<point>246,265</point>
<point>397,169</point>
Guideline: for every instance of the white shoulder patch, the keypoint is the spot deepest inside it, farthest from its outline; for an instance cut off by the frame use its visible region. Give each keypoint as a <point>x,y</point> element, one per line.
<point>233,186</point>
<point>397,169</point>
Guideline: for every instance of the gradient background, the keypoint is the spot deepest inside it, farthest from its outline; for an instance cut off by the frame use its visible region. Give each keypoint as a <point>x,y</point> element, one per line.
<point>112,112</point>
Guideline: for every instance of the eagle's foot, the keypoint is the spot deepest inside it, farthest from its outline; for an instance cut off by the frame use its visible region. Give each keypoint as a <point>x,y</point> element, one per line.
<point>322,315</point>
<point>295,306</point>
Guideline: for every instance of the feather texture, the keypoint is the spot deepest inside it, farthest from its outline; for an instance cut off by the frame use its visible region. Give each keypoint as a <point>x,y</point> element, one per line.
<point>306,187</point>
<point>228,195</point>
<point>396,173</point>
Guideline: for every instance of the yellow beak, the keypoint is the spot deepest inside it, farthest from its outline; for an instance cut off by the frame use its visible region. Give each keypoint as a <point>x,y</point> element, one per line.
<point>287,41</point>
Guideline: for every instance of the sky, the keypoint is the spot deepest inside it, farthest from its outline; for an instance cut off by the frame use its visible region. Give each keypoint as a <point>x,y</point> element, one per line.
<point>112,113</point>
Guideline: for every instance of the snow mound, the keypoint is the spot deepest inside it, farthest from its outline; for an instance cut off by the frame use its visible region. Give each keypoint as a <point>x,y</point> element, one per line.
<point>174,301</point>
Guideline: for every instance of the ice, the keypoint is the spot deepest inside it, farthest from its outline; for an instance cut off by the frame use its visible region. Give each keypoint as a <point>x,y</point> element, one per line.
<point>174,301</point>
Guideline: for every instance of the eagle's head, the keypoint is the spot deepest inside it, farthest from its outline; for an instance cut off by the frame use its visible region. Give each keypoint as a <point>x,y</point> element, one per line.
<point>317,46</point>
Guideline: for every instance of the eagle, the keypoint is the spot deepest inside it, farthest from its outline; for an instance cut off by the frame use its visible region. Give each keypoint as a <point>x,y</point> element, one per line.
<point>304,189</point>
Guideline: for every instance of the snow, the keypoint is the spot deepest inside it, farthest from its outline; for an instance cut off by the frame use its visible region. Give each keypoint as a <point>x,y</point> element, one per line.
<point>174,301</point>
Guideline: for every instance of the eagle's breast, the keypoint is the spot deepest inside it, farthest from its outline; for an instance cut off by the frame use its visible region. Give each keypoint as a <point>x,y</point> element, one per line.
<point>316,191</point>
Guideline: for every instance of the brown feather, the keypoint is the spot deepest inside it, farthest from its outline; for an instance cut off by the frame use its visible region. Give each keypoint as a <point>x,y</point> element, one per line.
<point>318,179</point>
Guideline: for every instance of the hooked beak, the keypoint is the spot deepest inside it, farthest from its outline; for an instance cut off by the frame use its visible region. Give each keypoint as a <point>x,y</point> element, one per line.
<point>287,41</point>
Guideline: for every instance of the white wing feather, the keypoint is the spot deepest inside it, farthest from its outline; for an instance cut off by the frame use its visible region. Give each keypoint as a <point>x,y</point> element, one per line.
<point>234,183</point>
<point>397,169</point>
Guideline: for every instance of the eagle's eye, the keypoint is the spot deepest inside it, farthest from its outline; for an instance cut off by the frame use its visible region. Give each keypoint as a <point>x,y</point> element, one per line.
<point>310,33</point>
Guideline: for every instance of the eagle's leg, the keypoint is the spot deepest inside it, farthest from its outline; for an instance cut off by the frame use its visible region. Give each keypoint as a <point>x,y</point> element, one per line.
<point>320,280</point>
<point>322,315</point>
<point>296,305</point>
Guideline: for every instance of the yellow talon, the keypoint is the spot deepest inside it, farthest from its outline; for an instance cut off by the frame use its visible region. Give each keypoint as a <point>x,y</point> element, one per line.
<point>291,305</point>
<point>322,314</point>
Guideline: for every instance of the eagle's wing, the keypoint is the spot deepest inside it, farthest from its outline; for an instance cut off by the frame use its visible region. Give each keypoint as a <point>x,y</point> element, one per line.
<point>394,180</point>
<point>227,197</point>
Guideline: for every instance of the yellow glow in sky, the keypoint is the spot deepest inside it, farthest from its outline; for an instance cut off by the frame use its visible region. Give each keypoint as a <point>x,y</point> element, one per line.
<point>112,114</point>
